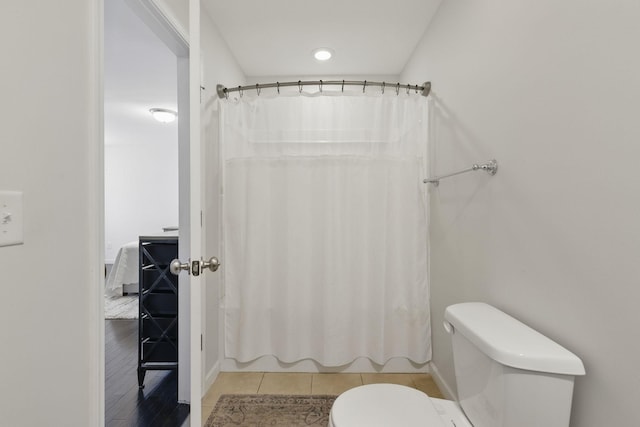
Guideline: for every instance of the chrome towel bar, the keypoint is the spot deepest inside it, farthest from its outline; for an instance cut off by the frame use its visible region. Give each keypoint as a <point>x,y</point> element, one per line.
<point>491,167</point>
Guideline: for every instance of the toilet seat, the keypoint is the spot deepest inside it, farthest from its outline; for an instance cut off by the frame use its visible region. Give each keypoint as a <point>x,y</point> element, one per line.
<point>384,405</point>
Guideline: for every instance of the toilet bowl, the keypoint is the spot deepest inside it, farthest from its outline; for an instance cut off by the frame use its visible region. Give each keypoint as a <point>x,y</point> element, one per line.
<point>507,375</point>
<point>390,405</point>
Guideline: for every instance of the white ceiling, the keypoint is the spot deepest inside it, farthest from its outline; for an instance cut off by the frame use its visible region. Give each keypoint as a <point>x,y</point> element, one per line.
<point>140,73</point>
<point>276,37</point>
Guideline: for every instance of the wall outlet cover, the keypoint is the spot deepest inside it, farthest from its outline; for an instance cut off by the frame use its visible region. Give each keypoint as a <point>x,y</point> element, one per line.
<point>11,221</point>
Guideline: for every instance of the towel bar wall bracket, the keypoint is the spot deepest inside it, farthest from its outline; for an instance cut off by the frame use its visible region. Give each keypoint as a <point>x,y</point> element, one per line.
<point>491,167</point>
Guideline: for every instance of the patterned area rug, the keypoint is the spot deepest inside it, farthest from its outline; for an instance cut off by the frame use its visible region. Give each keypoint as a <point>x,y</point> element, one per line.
<point>257,410</point>
<point>125,307</point>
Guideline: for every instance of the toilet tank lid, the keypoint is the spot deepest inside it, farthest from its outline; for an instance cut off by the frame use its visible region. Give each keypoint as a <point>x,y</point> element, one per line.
<point>509,341</point>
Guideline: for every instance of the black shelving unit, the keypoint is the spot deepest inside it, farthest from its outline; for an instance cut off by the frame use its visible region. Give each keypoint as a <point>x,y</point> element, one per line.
<point>158,306</point>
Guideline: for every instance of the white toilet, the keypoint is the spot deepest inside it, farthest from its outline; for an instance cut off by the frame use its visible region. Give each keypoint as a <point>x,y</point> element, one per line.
<point>508,375</point>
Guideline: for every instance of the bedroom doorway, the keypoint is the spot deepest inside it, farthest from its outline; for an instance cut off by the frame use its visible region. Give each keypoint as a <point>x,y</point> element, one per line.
<point>146,65</point>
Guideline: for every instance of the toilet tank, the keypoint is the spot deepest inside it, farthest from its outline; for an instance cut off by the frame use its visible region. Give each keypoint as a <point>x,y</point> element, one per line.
<point>509,375</point>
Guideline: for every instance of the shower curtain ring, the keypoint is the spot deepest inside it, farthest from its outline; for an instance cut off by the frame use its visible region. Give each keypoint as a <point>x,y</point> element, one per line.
<point>320,86</point>
<point>240,90</point>
<point>408,89</point>
<point>278,83</point>
<point>364,86</point>
<point>383,84</point>
<point>300,86</point>
<point>397,89</point>
<point>258,89</point>
<point>343,85</point>
<point>416,88</point>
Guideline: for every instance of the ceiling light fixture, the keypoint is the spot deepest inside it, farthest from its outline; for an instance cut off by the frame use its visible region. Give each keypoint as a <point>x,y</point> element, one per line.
<point>163,115</point>
<point>322,54</point>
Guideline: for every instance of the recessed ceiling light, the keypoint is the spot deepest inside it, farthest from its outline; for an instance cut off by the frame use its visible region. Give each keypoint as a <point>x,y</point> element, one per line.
<point>322,54</point>
<point>163,115</point>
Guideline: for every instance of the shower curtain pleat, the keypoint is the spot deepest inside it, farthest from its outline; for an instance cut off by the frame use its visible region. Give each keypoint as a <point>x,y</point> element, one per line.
<point>325,229</point>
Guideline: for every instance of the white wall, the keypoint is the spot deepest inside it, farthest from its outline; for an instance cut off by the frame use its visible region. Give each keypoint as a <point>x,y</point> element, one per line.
<point>141,191</point>
<point>218,66</point>
<point>50,138</point>
<point>550,90</point>
<point>141,154</point>
<point>390,79</point>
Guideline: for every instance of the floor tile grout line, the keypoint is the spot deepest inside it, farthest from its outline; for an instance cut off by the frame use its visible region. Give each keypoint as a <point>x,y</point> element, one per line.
<point>260,384</point>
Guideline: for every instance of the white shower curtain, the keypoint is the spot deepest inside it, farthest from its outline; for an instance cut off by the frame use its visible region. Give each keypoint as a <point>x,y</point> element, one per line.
<point>325,229</point>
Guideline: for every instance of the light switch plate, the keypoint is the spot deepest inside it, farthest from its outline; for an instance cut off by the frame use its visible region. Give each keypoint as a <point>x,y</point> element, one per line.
<point>11,228</point>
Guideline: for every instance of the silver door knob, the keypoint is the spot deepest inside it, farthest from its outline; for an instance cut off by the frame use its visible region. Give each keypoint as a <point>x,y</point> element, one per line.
<point>213,264</point>
<point>176,267</point>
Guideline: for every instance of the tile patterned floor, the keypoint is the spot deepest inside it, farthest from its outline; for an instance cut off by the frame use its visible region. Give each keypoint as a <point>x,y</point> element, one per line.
<point>305,383</point>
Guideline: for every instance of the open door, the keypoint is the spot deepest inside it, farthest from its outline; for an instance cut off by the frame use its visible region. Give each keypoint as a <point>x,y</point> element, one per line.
<point>194,260</point>
<point>196,207</point>
<point>192,236</point>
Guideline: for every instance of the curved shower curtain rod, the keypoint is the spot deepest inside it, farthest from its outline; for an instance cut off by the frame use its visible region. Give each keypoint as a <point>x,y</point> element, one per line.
<point>223,92</point>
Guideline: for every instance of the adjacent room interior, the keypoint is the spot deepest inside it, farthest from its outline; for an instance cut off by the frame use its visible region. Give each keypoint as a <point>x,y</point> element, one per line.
<point>141,200</point>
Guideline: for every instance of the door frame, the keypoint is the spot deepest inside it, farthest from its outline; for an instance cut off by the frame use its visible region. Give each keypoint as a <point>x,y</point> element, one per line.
<point>168,29</point>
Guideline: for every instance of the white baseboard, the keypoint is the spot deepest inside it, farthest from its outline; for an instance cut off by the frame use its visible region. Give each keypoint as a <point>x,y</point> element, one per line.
<point>210,378</point>
<point>271,364</point>
<point>444,386</point>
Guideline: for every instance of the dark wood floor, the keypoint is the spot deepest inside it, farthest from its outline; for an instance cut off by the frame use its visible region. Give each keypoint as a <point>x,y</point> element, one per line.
<point>125,404</point>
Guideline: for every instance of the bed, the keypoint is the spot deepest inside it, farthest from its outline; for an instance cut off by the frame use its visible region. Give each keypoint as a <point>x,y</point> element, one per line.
<point>123,277</point>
